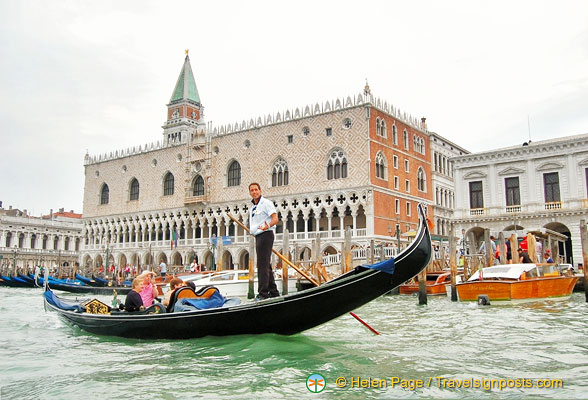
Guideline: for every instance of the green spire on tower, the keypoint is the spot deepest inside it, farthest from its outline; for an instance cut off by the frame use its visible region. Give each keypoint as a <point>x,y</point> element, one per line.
<point>186,85</point>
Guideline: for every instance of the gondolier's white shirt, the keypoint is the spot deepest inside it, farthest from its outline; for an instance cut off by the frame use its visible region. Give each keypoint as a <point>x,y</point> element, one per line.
<point>259,214</point>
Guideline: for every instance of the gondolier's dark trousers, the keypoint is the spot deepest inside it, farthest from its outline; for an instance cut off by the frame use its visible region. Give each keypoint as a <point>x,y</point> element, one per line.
<point>263,247</point>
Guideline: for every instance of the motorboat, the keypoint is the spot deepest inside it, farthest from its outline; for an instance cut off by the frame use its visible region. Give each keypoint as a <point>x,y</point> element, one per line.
<point>435,284</point>
<point>235,283</point>
<point>518,282</point>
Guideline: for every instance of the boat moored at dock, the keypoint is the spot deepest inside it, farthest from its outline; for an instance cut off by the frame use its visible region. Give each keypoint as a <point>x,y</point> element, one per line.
<point>518,282</point>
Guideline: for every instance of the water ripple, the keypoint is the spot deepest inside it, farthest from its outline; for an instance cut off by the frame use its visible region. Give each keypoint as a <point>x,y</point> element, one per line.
<point>42,358</point>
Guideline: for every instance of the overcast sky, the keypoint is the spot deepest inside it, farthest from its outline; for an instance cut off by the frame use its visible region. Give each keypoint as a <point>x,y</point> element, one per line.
<point>97,75</point>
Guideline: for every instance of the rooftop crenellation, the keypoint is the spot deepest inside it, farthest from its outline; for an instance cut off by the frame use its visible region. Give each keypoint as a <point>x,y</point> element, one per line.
<point>318,109</point>
<point>268,120</point>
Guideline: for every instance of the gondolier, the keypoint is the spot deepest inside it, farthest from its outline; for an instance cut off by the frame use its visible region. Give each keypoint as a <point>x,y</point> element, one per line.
<point>262,221</point>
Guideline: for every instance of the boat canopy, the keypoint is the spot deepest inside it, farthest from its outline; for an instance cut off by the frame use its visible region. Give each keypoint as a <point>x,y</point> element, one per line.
<point>509,271</point>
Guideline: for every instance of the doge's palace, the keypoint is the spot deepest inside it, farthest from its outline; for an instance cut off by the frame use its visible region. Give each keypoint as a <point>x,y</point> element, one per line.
<point>355,162</point>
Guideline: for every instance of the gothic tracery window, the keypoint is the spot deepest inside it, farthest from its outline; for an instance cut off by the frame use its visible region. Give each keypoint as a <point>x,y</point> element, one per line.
<point>280,173</point>
<point>380,166</point>
<point>421,180</point>
<point>337,165</point>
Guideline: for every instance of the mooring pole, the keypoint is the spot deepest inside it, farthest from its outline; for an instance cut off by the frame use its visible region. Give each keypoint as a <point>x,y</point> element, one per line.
<point>584,236</point>
<point>423,287</point>
<point>286,254</point>
<point>502,244</point>
<point>252,257</point>
<point>453,263</point>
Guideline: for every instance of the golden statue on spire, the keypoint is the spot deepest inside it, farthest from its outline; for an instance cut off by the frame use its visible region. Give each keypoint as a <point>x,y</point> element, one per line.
<point>187,50</point>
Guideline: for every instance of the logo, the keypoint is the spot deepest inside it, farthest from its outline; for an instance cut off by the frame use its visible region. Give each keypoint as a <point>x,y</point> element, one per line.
<point>315,383</point>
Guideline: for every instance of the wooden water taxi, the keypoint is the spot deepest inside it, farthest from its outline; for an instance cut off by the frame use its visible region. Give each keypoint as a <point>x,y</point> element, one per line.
<point>518,282</point>
<point>436,282</point>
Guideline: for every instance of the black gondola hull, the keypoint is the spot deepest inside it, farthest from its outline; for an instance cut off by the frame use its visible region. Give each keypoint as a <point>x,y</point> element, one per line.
<point>107,290</point>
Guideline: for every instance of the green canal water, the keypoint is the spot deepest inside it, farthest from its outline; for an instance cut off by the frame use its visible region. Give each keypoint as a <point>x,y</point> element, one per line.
<point>437,347</point>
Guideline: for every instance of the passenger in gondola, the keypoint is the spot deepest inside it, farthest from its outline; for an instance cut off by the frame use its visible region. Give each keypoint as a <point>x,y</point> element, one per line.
<point>134,302</point>
<point>149,291</point>
<point>174,284</point>
<point>548,258</point>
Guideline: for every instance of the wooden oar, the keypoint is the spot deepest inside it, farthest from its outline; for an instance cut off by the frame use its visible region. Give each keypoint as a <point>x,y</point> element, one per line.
<point>301,272</point>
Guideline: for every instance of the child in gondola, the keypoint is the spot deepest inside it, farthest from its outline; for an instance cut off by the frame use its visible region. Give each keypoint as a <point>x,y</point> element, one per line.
<point>174,284</point>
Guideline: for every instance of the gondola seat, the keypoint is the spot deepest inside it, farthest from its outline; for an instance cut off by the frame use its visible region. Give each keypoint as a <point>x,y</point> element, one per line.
<point>187,292</point>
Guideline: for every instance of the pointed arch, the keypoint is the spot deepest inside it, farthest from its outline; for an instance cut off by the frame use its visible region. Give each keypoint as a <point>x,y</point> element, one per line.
<point>198,186</point>
<point>421,180</point>
<point>168,184</point>
<point>280,174</point>
<point>234,174</point>
<point>134,189</point>
<point>104,194</point>
<point>381,166</point>
<point>336,164</point>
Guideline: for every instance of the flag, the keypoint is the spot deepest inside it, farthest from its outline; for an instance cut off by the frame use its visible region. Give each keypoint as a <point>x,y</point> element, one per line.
<point>174,241</point>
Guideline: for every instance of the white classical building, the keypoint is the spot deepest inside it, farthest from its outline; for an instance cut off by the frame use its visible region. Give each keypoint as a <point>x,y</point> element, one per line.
<point>536,187</point>
<point>442,151</point>
<point>355,162</point>
<point>27,241</point>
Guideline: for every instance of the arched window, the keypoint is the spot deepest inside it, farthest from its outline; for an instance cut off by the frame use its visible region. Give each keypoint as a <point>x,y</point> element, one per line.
<point>419,144</point>
<point>234,174</point>
<point>280,173</point>
<point>337,165</point>
<point>104,194</point>
<point>134,192</point>
<point>421,180</point>
<point>381,168</point>
<point>384,130</point>
<point>198,187</point>
<point>168,184</point>
<point>378,127</point>
<point>394,135</point>
<point>406,144</point>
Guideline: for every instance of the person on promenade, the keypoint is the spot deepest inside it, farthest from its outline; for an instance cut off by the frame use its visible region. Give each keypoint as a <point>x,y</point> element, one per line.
<point>262,221</point>
<point>174,284</point>
<point>492,244</point>
<point>524,257</point>
<point>163,269</point>
<point>149,292</point>
<point>134,302</point>
<point>508,252</point>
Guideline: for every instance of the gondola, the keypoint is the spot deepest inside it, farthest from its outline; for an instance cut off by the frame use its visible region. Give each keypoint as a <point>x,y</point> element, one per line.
<point>16,281</point>
<point>86,289</point>
<point>284,315</point>
<point>91,282</point>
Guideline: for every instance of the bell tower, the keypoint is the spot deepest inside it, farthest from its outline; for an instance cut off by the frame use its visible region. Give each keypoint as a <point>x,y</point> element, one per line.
<point>185,113</point>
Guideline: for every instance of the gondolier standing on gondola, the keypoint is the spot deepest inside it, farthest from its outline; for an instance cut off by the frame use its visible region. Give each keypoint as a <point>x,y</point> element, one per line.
<point>262,221</point>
